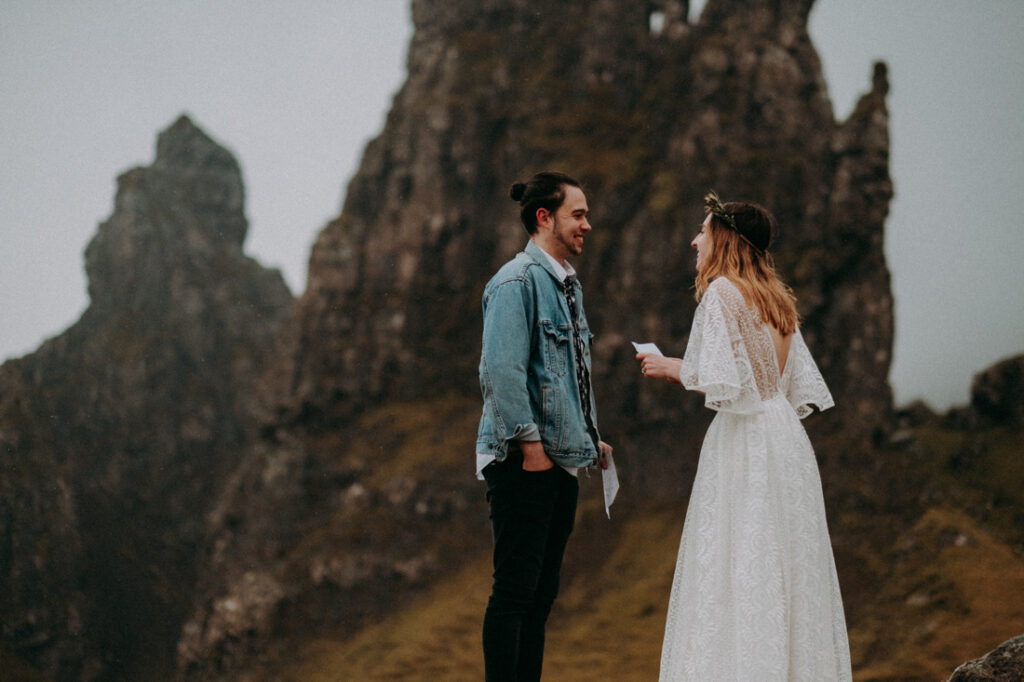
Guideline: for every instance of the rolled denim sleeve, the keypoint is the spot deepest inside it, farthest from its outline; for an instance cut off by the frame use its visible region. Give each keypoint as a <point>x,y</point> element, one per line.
<point>505,361</point>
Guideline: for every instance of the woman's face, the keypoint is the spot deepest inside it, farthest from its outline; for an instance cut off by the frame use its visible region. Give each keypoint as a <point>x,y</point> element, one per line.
<point>702,242</point>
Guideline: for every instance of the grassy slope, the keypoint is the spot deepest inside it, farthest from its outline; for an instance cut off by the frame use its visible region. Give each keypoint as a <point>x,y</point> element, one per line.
<point>956,587</point>
<point>605,626</point>
<point>949,600</point>
<point>952,592</point>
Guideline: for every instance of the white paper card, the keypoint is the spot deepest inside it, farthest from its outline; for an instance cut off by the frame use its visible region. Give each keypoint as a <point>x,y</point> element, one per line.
<point>610,481</point>
<point>647,348</point>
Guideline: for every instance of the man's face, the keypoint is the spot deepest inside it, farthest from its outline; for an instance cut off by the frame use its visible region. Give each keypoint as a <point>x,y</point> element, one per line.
<point>569,224</point>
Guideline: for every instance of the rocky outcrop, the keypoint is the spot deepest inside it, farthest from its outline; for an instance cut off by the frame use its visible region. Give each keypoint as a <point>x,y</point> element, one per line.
<point>649,115</point>
<point>326,530</point>
<point>116,435</point>
<point>649,120</point>
<point>997,393</point>
<point>1003,664</point>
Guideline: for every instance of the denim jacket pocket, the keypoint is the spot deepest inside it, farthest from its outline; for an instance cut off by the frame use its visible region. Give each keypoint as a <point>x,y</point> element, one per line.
<point>552,423</point>
<point>557,348</point>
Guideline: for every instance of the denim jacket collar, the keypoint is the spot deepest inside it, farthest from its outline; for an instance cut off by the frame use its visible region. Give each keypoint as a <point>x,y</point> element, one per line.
<point>544,260</point>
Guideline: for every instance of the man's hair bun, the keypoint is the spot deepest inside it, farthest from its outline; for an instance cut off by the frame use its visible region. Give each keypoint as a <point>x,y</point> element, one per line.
<point>544,190</point>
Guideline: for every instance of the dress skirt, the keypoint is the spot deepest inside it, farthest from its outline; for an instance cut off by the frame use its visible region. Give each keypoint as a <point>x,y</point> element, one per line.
<point>755,596</point>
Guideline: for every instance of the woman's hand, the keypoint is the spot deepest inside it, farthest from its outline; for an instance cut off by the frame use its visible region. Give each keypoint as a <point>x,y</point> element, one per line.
<point>656,366</point>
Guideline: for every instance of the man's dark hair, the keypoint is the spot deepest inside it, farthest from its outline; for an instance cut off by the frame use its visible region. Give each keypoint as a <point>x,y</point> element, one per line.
<point>544,190</point>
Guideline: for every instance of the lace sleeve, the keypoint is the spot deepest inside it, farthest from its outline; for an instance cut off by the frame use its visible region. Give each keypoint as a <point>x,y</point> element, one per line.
<point>802,382</point>
<point>716,360</point>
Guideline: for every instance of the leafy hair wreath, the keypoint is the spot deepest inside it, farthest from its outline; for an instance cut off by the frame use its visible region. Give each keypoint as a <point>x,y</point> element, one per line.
<point>717,209</point>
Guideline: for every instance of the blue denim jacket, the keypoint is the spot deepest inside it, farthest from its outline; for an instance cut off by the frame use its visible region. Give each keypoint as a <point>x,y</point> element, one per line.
<point>528,367</point>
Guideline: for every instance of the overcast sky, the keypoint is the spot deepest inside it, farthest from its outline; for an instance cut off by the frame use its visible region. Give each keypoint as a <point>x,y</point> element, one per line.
<point>296,89</point>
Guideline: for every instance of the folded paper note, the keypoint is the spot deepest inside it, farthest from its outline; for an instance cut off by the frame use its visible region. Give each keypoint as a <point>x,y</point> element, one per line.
<point>646,348</point>
<point>610,483</point>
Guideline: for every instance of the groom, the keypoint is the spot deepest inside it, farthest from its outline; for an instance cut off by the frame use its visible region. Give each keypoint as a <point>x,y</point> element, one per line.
<point>539,422</point>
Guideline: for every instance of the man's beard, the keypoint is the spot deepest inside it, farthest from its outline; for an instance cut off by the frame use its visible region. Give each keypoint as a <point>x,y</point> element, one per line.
<point>568,239</point>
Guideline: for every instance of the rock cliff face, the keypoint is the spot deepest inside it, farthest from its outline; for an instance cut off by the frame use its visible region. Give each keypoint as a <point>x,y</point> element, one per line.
<point>322,524</point>
<point>649,121</point>
<point>117,434</point>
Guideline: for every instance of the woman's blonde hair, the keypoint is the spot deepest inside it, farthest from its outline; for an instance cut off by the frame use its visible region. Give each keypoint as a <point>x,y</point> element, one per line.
<point>740,235</point>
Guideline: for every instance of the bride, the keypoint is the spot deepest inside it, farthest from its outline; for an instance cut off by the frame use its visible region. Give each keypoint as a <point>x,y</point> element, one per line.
<point>755,596</point>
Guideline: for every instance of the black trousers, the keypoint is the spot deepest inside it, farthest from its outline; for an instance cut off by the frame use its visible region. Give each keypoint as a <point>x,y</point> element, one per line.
<point>532,515</point>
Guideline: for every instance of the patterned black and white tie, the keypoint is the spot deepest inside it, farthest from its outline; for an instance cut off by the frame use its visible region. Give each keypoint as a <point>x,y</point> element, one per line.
<point>582,373</point>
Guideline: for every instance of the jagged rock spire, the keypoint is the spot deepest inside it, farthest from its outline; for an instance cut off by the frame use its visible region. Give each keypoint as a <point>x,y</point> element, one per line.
<point>190,200</point>
<point>116,434</point>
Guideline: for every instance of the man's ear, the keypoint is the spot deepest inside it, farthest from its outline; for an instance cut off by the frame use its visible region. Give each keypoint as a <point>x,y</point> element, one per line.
<point>543,216</point>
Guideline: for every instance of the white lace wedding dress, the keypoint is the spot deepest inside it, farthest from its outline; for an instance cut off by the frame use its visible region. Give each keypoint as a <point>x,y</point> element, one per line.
<point>755,596</point>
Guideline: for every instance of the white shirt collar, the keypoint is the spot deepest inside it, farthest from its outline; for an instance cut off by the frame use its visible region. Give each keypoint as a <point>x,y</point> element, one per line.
<point>560,270</point>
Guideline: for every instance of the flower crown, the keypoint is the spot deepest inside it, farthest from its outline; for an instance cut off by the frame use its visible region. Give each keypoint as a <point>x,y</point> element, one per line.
<point>717,209</point>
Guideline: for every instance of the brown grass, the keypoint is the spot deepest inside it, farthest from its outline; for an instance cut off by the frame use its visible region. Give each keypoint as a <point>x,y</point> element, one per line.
<point>951,589</point>
<point>946,590</point>
<point>435,638</point>
<point>954,594</point>
<point>607,625</point>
